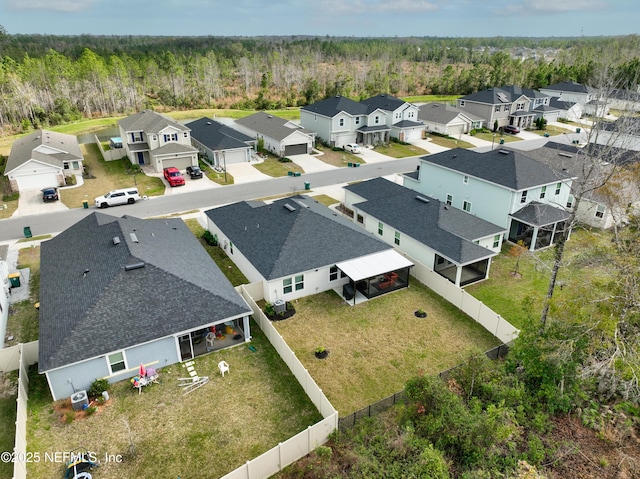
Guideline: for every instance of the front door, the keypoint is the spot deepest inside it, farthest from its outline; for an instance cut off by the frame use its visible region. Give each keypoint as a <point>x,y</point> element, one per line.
<point>140,158</point>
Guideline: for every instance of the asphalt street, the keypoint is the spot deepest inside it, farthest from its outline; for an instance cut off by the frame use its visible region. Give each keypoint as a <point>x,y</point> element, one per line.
<point>13,228</point>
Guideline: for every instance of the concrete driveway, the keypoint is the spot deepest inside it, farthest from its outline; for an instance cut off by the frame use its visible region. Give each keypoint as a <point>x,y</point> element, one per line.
<point>310,163</point>
<point>30,203</point>
<point>245,173</point>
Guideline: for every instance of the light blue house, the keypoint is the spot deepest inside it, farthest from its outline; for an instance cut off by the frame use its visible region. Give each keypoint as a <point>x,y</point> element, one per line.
<point>507,188</point>
<point>118,292</point>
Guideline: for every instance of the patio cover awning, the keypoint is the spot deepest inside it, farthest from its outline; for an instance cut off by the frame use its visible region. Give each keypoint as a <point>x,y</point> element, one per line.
<point>373,264</point>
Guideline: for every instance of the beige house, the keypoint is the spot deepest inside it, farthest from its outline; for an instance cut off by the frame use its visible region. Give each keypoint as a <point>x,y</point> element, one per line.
<point>43,159</point>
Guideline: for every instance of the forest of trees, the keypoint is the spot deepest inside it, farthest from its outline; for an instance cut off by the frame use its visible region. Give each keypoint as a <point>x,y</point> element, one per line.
<point>46,80</point>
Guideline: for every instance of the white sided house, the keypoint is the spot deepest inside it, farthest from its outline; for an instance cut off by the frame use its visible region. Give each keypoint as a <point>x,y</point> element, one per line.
<point>43,159</point>
<point>219,144</point>
<point>298,247</point>
<point>281,137</point>
<point>448,120</point>
<point>504,187</point>
<point>144,292</point>
<point>150,138</point>
<point>454,244</point>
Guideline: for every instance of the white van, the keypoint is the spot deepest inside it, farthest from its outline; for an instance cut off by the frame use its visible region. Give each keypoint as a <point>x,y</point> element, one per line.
<point>118,197</point>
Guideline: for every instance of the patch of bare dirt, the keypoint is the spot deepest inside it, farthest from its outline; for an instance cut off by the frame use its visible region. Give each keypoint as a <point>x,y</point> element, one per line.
<point>8,388</point>
<point>582,453</point>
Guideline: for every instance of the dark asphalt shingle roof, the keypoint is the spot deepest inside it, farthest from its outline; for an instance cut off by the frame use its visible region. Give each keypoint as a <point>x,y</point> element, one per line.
<point>448,231</point>
<point>271,126</point>
<point>382,102</point>
<point>332,106</point>
<point>150,122</point>
<point>503,95</point>
<point>217,136</point>
<point>107,309</point>
<point>540,214</point>
<point>279,242</point>
<point>22,150</point>
<point>512,169</point>
<point>442,113</point>
<point>556,102</point>
<point>569,86</point>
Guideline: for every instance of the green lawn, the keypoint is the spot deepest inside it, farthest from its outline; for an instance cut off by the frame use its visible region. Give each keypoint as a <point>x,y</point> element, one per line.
<point>272,167</point>
<point>489,137</point>
<point>7,421</point>
<point>553,130</point>
<point>449,142</point>
<point>398,150</point>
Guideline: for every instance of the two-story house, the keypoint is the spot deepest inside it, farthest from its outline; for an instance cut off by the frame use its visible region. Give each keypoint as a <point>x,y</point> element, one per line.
<point>506,188</point>
<point>509,105</point>
<point>446,240</point>
<point>340,120</point>
<point>572,92</point>
<point>150,138</point>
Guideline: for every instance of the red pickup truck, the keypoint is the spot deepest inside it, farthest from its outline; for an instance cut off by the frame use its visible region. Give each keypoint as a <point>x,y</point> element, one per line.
<point>173,176</point>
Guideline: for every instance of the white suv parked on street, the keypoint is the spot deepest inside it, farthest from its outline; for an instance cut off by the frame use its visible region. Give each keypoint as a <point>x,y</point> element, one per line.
<point>352,147</point>
<point>118,197</point>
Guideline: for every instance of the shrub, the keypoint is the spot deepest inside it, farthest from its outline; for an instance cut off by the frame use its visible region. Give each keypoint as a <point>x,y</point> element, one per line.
<point>97,387</point>
<point>69,416</point>
<point>269,310</point>
<point>210,239</point>
<point>284,160</point>
<point>70,180</point>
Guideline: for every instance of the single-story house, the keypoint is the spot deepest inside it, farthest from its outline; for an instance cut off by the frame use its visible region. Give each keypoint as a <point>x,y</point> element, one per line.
<point>219,144</point>
<point>118,292</point>
<point>567,109</point>
<point>150,138</point>
<point>446,240</point>
<point>297,247</point>
<point>281,137</point>
<point>43,159</point>
<point>448,120</point>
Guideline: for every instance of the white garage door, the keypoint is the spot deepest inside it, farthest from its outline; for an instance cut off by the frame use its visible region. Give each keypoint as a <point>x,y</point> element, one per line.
<point>180,163</point>
<point>455,130</point>
<point>235,156</point>
<point>36,181</point>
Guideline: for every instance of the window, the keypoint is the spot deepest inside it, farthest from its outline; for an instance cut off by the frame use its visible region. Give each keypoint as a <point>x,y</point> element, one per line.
<point>523,198</point>
<point>461,103</point>
<point>411,114</point>
<point>170,137</point>
<point>376,119</point>
<point>520,106</point>
<point>185,134</point>
<point>299,282</point>
<point>398,116</point>
<point>497,108</point>
<point>558,187</point>
<point>466,206</point>
<point>117,362</point>
<point>287,286</point>
<point>75,165</point>
<point>357,120</point>
<point>360,219</point>
<point>380,230</point>
<point>66,165</point>
<point>341,121</point>
<point>506,107</point>
<point>543,192</point>
<point>333,273</point>
<point>496,241</point>
<point>465,180</point>
<point>397,238</point>
<point>570,201</point>
<point>231,247</point>
<point>600,211</point>
<point>449,200</point>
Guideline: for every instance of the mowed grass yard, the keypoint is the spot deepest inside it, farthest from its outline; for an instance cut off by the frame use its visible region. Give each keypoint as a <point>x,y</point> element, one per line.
<point>376,346</point>
<point>206,433</point>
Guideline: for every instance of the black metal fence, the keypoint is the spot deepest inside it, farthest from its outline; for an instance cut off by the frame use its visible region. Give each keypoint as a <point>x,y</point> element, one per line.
<point>349,421</point>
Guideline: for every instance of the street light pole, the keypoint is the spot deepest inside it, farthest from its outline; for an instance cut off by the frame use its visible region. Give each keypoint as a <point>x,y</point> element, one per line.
<point>224,163</point>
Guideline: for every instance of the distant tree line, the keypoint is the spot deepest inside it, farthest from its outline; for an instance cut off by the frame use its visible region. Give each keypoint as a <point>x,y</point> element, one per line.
<point>46,79</point>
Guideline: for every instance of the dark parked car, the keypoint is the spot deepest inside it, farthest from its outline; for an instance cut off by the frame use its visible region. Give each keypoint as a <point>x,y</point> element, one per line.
<point>511,129</point>
<point>49,194</point>
<point>194,172</point>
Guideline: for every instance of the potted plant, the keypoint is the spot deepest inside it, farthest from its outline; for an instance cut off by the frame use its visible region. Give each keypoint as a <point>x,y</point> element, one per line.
<point>321,352</point>
<point>421,313</point>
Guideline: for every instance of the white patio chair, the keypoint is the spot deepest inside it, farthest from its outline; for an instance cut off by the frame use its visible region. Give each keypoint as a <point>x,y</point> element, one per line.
<point>223,367</point>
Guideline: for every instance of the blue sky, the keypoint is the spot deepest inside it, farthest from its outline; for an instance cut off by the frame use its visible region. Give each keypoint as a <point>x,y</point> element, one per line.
<point>377,18</point>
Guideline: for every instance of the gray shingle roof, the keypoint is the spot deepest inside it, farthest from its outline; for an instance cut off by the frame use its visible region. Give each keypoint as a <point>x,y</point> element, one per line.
<point>512,169</point>
<point>540,214</point>
<point>22,149</point>
<point>502,95</point>
<point>446,230</point>
<point>174,148</point>
<point>442,113</point>
<point>332,106</point>
<point>279,242</point>
<point>383,102</point>
<point>556,102</point>
<point>90,305</point>
<point>569,86</point>
<point>216,136</point>
<point>150,122</point>
<point>271,126</point>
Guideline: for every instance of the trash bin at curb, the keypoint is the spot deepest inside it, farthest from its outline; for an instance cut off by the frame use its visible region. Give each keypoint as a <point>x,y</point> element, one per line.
<point>85,204</point>
<point>502,141</point>
<point>14,279</point>
<point>307,185</point>
<point>578,130</point>
<point>27,231</point>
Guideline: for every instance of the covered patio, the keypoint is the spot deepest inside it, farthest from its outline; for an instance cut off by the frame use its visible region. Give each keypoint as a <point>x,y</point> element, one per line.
<point>374,275</point>
<point>462,275</point>
<point>373,135</point>
<point>538,225</point>
<point>213,338</point>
